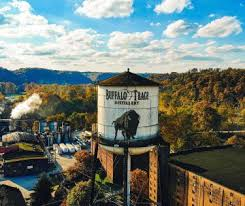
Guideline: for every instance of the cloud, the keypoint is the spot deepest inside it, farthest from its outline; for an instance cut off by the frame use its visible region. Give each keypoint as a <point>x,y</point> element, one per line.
<point>158,46</point>
<point>120,40</point>
<point>171,6</point>
<point>211,15</point>
<point>222,27</point>
<point>18,21</point>
<point>179,27</point>
<point>105,9</point>
<point>155,24</point>
<point>201,58</point>
<point>228,48</point>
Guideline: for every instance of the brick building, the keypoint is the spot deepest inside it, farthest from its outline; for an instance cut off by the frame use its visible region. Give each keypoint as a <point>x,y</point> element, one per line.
<point>192,179</point>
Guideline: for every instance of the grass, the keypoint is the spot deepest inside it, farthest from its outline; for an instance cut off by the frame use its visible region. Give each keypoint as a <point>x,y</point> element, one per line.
<point>225,166</point>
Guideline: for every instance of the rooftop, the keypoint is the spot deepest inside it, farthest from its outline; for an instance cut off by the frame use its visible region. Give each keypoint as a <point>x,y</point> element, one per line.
<point>127,79</point>
<point>224,166</point>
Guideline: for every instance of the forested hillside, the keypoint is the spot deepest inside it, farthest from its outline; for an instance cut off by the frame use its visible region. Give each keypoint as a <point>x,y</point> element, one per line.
<point>195,103</point>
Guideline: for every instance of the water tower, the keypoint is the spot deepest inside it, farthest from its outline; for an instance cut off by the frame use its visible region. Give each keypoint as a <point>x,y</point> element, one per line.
<point>127,122</point>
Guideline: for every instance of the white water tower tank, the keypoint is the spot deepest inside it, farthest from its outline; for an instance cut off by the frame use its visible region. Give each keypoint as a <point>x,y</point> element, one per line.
<point>130,96</point>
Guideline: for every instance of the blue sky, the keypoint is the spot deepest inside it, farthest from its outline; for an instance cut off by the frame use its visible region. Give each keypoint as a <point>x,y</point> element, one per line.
<point>112,35</point>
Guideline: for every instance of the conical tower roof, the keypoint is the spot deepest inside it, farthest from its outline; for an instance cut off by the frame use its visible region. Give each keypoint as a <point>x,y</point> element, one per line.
<point>128,79</point>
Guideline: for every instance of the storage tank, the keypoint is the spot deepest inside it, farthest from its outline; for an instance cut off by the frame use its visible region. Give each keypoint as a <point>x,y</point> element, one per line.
<point>63,148</point>
<point>128,112</point>
<point>53,126</point>
<point>42,126</point>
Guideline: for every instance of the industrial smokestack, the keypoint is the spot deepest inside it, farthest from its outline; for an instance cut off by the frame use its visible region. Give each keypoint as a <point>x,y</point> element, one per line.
<point>27,106</point>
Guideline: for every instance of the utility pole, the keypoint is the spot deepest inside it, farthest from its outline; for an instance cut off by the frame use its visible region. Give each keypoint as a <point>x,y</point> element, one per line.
<point>126,176</point>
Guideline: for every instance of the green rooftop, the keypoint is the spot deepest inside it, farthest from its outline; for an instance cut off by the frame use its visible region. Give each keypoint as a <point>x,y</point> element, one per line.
<point>225,166</point>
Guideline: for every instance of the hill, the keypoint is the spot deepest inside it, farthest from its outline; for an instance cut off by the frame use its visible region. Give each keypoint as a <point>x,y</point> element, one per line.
<point>24,76</point>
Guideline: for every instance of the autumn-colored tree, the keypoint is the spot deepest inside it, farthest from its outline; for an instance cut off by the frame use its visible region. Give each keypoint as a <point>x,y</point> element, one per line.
<point>63,203</point>
<point>56,117</point>
<point>177,130</point>
<point>75,173</point>
<point>81,171</point>
<point>235,140</point>
<point>84,157</point>
<point>1,97</point>
<point>205,117</point>
<point>139,183</point>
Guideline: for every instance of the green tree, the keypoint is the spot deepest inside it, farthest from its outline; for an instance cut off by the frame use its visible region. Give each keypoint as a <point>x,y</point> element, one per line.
<point>42,191</point>
<point>80,194</point>
<point>77,120</point>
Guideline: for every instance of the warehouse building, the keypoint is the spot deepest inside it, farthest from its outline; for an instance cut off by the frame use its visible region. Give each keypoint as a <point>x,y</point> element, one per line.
<point>208,176</point>
<point>22,155</point>
<point>200,177</point>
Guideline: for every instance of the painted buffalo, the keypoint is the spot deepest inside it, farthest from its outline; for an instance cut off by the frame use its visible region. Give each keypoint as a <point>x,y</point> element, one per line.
<point>127,123</point>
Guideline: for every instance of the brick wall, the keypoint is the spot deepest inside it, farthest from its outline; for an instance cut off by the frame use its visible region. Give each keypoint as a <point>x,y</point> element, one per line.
<point>107,161</point>
<point>189,189</point>
<point>153,175</point>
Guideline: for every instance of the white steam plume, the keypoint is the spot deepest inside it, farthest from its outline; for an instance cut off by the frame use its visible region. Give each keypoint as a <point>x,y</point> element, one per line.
<point>27,106</point>
<point>1,109</point>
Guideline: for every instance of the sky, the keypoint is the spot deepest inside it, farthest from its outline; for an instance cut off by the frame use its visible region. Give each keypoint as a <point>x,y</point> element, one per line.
<point>113,35</point>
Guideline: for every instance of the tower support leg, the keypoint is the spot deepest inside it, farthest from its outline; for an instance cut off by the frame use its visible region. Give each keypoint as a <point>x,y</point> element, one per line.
<point>126,177</point>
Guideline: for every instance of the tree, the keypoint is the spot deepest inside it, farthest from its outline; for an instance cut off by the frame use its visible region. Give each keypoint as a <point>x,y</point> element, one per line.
<point>77,120</point>
<point>75,173</point>
<point>42,191</point>
<point>79,195</point>
<point>84,157</point>
<point>1,97</point>
<point>56,117</point>
<point>235,140</point>
<point>81,171</point>
<point>205,117</point>
<point>60,194</point>
<point>139,183</point>
<point>177,129</point>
